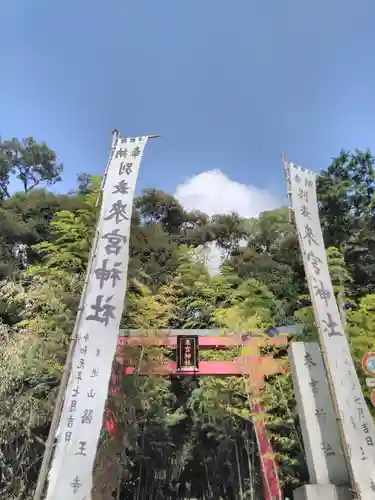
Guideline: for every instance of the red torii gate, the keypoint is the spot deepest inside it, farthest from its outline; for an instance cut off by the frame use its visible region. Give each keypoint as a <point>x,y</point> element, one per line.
<point>251,364</point>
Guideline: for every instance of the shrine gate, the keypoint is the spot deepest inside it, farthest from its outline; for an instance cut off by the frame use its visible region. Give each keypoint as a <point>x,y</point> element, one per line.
<point>251,364</point>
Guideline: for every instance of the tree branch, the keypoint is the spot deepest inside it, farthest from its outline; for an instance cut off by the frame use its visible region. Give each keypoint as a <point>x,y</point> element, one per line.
<point>5,190</point>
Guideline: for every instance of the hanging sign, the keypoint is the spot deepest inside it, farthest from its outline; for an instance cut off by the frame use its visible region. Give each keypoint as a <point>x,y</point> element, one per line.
<point>187,352</point>
<point>356,423</point>
<point>368,363</point>
<point>70,476</point>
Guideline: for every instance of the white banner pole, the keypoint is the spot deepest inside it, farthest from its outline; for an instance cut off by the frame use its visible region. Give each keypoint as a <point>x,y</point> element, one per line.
<point>356,425</point>
<point>94,338</point>
<point>43,472</point>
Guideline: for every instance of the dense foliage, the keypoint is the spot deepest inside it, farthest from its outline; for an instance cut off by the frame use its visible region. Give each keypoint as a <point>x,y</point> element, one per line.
<point>177,438</point>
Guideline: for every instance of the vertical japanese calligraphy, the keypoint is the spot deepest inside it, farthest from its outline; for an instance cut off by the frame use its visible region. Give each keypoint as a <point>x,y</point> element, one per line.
<point>70,475</point>
<point>187,352</point>
<point>357,426</point>
<point>320,432</point>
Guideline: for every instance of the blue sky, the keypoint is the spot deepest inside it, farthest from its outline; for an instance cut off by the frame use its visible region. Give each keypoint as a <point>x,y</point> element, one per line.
<point>229,85</point>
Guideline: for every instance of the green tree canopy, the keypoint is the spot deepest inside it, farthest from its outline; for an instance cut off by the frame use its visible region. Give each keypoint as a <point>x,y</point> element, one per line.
<point>177,437</point>
<point>30,162</point>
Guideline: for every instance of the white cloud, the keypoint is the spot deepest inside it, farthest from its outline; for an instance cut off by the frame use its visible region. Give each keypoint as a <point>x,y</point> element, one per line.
<point>213,192</point>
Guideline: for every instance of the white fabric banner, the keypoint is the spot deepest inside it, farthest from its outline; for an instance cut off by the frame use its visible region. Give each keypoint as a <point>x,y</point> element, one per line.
<point>320,433</point>
<point>70,476</point>
<point>356,422</point>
